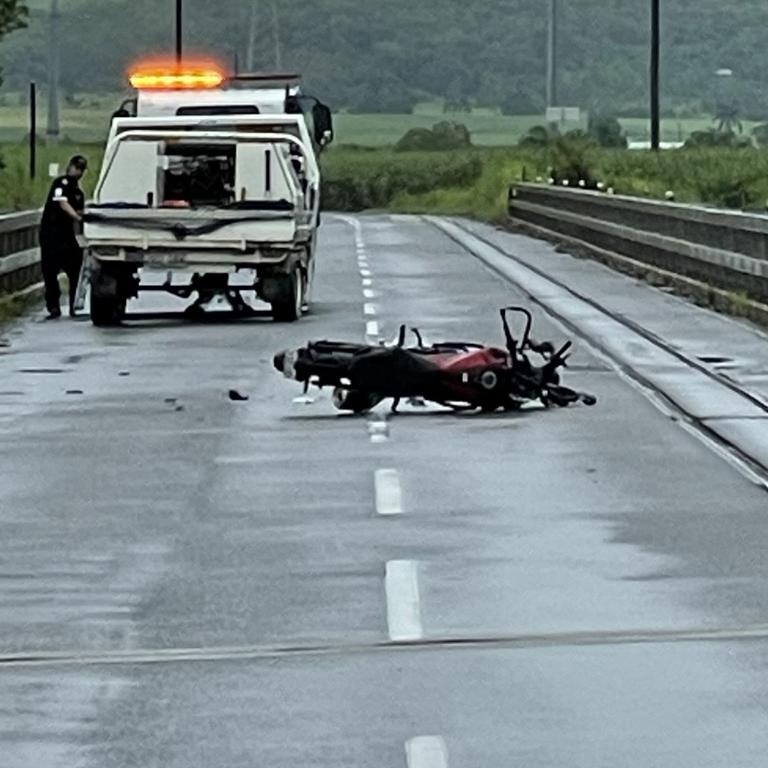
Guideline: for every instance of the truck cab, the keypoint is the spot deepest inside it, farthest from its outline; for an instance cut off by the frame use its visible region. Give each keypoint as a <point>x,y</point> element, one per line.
<point>204,178</point>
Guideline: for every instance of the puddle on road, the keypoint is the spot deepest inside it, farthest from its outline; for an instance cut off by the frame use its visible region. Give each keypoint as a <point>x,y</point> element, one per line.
<point>718,362</point>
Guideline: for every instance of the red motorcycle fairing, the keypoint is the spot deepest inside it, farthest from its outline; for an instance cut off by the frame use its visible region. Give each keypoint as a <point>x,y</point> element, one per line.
<point>459,374</point>
<point>473,358</point>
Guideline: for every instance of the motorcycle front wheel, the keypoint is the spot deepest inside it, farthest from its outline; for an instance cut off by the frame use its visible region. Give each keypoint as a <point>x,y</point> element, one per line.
<point>562,397</point>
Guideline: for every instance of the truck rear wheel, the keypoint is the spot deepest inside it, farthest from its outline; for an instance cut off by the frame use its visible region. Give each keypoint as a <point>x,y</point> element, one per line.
<point>287,308</point>
<point>107,306</point>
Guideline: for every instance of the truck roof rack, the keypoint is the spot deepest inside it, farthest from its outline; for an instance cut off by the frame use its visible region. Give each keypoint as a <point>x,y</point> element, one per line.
<point>264,80</point>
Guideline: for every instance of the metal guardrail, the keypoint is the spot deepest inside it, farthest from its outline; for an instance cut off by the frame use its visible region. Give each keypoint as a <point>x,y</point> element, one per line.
<point>725,249</point>
<point>19,254</point>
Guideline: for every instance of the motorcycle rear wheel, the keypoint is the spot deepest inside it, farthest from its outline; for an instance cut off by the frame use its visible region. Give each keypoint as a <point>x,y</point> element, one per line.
<point>354,400</point>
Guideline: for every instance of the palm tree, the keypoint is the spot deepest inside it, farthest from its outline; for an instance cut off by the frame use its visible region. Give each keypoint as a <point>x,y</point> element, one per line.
<point>727,118</point>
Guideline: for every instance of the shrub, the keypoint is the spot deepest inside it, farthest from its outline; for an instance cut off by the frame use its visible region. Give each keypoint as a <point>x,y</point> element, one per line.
<point>441,137</point>
<point>572,159</point>
<point>760,134</point>
<point>714,138</point>
<point>607,131</point>
<point>354,181</point>
<point>460,104</point>
<point>521,101</point>
<point>389,97</point>
<point>538,136</point>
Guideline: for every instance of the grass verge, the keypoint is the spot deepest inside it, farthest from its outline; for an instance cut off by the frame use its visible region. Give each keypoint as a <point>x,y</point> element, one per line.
<point>12,307</point>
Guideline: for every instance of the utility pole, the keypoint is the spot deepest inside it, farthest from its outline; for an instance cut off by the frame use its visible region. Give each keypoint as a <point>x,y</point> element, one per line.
<point>54,63</point>
<point>250,57</point>
<point>655,66</point>
<point>552,54</point>
<point>179,30</point>
<point>276,36</point>
<point>32,130</point>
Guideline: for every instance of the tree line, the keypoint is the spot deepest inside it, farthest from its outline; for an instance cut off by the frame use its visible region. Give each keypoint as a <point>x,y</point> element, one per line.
<point>387,55</point>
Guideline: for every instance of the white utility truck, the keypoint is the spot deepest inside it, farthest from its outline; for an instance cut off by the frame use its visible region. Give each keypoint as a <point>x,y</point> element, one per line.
<point>208,179</point>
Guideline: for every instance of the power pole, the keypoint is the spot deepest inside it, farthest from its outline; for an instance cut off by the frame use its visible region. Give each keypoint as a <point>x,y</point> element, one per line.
<point>54,63</point>
<point>250,57</point>
<point>32,130</point>
<point>655,67</point>
<point>276,36</point>
<point>179,30</point>
<point>552,54</point>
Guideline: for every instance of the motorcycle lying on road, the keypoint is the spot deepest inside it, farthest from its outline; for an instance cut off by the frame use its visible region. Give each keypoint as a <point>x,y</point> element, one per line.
<point>460,375</point>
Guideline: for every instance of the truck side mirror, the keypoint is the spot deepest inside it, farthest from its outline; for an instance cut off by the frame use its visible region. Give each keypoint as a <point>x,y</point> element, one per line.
<point>323,120</point>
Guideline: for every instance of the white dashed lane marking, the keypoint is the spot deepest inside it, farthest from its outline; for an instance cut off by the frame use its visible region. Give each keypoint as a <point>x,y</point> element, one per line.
<point>372,329</point>
<point>401,583</point>
<point>389,497</point>
<point>426,752</point>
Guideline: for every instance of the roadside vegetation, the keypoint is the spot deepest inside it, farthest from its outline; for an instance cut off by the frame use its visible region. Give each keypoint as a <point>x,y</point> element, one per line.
<point>454,164</point>
<point>475,181</point>
<point>471,181</point>
<point>18,191</point>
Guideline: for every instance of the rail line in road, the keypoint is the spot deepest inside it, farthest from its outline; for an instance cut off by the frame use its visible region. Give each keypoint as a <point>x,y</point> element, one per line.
<point>511,642</point>
<point>751,406</point>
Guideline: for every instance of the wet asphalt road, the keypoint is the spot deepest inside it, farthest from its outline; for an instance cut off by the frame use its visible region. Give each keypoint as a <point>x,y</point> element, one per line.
<point>230,572</point>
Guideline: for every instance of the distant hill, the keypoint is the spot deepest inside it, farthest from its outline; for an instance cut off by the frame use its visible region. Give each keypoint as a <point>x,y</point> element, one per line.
<point>386,54</point>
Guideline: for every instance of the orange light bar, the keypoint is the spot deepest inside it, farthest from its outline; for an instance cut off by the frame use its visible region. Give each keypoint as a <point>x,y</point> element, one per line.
<point>173,78</point>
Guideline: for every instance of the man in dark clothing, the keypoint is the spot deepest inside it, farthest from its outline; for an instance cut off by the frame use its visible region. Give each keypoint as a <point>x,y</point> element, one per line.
<point>59,249</point>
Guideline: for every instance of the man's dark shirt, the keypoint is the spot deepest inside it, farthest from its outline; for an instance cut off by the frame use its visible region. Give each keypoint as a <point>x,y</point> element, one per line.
<point>56,227</point>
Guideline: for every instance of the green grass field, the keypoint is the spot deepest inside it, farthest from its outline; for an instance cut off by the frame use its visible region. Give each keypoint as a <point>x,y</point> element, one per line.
<point>18,191</point>
<point>470,181</point>
<point>88,123</point>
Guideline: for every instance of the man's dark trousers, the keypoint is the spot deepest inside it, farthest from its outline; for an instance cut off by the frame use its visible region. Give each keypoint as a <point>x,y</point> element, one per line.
<point>56,257</point>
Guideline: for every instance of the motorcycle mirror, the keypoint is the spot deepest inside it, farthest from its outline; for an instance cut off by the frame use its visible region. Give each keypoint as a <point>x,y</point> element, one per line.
<point>417,334</point>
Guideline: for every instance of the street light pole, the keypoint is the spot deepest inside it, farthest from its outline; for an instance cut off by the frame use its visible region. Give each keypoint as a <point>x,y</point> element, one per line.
<point>250,56</point>
<point>655,66</point>
<point>276,35</point>
<point>552,54</point>
<point>32,130</point>
<point>179,30</point>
